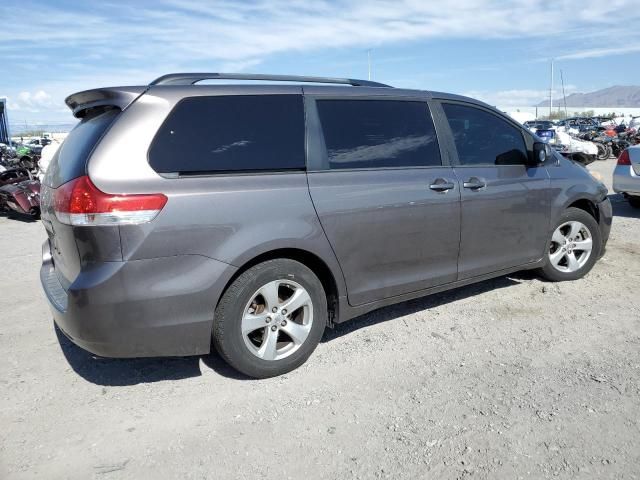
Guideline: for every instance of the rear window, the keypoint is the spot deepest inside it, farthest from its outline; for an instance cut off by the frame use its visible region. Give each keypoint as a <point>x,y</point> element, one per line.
<point>231,134</point>
<point>378,134</point>
<point>70,160</point>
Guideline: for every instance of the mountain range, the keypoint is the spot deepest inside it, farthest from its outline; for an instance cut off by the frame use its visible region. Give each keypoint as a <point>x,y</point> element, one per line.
<point>617,96</point>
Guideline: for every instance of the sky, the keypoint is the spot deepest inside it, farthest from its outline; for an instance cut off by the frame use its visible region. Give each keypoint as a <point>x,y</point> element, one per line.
<point>497,51</point>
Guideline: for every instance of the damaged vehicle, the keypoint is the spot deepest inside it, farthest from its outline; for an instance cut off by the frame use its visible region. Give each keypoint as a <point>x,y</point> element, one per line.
<point>19,193</point>
<point>28,156</point>
<point>569,146</point>
<point>22,198</point>
<point>13,175</point>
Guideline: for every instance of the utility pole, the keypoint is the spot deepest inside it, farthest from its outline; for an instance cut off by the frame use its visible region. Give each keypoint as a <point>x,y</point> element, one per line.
<point>551,92</point>
<point>563,95</point>
<point>369,63</point>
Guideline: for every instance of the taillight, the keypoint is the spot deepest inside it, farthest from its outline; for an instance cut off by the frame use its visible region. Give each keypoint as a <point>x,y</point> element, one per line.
<point>624,159</point>
<point>79,202</point>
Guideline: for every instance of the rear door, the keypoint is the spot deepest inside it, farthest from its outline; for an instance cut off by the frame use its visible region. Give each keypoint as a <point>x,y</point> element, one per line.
<point>505,204</point>
<point>389,205</point>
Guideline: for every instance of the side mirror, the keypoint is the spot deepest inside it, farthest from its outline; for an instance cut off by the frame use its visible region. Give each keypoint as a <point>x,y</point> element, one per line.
<point>541,153</point>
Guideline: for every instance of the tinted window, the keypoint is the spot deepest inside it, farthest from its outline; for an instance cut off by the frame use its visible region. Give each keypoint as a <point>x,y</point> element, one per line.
<point>231,133</point>
<point>378,133</point>
<point>483,138</point>
<point>70,160</point>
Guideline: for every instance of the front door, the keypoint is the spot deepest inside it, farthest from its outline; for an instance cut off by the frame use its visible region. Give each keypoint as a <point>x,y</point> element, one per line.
<point>505,203</point>
<point>389,207</point>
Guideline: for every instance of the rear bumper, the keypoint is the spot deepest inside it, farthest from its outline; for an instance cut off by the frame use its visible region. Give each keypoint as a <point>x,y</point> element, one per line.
<point>625,180</point>
<point>142,308</point>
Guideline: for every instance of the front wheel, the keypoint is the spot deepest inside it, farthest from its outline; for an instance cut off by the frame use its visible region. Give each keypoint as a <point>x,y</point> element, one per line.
<point>574,247</point>
<point>271,318</point>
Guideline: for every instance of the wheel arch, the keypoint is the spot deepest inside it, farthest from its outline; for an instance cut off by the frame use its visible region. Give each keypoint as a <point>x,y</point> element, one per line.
<point>588,206</point>
<point>312,261</point>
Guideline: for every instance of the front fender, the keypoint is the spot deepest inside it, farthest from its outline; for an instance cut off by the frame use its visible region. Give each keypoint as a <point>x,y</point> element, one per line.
<point>570,183</point>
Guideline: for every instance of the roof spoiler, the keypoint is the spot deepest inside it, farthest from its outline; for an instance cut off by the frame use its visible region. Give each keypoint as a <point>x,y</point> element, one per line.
<point>120,97</point>
<point>191,78</point>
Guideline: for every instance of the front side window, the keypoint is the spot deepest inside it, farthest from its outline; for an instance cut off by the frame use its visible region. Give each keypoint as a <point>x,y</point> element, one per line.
<point>483,138</point>
<point>378,133</point>
<point>232,133</point>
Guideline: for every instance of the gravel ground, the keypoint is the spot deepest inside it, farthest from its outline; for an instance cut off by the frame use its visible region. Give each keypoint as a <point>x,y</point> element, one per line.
<point>509,378</point>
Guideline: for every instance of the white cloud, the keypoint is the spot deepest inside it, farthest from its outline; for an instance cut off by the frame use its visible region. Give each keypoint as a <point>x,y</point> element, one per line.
<point>132,43</point>
<point>515,97</point>
<point>600,52</point>
<point>32,102</point>
<point>250,30</point>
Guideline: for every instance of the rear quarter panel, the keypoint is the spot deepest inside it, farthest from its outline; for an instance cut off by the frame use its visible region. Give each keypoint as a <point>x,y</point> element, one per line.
<point>231,218</point>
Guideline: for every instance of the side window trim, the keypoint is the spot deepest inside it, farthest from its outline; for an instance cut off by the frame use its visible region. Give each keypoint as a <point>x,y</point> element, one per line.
<point>316,153</point>
<point>446,129</point>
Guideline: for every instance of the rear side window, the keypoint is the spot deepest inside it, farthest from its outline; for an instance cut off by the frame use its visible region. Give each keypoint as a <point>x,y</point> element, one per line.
<point>231,134</point>
<point>378,133</point>
<point>483,138</point>
<point>70,160</point>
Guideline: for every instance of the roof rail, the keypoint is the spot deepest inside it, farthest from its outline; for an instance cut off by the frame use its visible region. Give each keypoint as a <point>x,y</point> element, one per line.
<point>191,78</point>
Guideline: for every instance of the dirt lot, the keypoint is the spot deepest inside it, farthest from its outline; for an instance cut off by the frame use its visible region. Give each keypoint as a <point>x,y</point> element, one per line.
<point>510,378</point>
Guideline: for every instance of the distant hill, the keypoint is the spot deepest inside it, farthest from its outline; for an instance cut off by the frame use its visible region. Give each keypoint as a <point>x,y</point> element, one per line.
<point>616,96</point>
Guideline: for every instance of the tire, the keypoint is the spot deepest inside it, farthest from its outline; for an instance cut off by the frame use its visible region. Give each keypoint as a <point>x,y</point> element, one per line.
<point>609,151</point>
<point>634,201</point>
<point>603,153</point>
<point>267,351</point>
<point>569,264</point>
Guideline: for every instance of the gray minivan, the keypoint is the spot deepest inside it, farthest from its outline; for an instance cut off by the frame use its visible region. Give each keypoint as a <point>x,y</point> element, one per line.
<point>251,217</point>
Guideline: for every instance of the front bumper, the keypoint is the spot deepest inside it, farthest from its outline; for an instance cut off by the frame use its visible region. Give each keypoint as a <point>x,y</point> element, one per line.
<point>141,308</point>
<point>605,219</point>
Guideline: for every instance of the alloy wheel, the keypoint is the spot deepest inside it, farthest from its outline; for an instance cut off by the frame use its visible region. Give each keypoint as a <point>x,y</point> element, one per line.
<point>277,320</point>
<point>571,246</point>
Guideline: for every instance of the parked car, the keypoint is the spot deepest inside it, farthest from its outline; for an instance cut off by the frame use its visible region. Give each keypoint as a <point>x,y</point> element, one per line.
<point>626,175</point>
<point>250,217</point>
<point>582,124</point>
<point>534,125</point>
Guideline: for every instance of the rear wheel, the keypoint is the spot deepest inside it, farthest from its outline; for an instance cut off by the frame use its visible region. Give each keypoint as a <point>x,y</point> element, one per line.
<point>271,318</point>
<point>603,153</point>
<point>573,248</point>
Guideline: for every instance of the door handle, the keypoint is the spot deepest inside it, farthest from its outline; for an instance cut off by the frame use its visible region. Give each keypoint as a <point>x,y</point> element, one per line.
<point>441,185</point>
<point>475,183</point>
